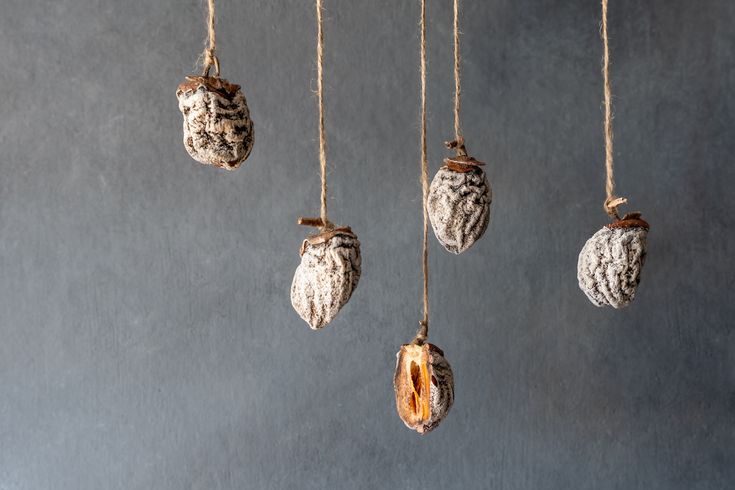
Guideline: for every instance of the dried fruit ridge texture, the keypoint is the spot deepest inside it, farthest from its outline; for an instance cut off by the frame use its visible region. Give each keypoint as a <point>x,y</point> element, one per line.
<point>459,207</point>
<point>609,265</point>
<point>327,276</point>
<point>419,367</point>
<point>217,126</point>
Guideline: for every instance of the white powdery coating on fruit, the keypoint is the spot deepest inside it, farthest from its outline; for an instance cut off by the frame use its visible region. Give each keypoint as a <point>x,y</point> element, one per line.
<point>610,264</point>
<point>325,279</point>
<point>442,391</point>
<point>217,130</point>
<point>459,207</point>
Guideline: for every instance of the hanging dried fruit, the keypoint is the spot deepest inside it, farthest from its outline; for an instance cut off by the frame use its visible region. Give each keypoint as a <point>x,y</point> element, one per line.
<point>459,201</point>
<point>424,386</point>
<point>609,265</point>
<point>330,261</point>
<point>327,276</point>
<point>217,126</point>
<point>423,381</point>
<point>460,195</point>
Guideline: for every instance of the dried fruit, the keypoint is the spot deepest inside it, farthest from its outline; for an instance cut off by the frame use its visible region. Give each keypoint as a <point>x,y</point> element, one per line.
<point>610,262</point>
<point>217,126</point>
<point>327,276</point>
<point>459,203</point>
<point>424,386</point>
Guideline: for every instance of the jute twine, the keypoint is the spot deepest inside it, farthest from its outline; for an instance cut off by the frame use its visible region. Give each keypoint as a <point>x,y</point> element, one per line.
<point>322,222</point>
<point>209,55</point>
<point>423,331</point>
<point>320,96</point>
<point>458,144</point>
<point>457,85</point>
<point>612,201</point>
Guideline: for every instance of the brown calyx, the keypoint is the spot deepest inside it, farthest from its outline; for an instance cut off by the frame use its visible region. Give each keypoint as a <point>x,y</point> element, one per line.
<point>327,235</point>
<point>630,220</point>
<point>326,231</point>
<point>462,162</point>
<point>213,84</point>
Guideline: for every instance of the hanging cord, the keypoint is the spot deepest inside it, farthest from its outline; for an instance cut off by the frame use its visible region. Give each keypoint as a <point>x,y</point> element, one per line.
<point>320,96</point>
<point>322,222</point>
<point>210,58</point>
<point>458,143</point>
<point>611,202</point>
<point>457,86</point>
<point>423,331</point>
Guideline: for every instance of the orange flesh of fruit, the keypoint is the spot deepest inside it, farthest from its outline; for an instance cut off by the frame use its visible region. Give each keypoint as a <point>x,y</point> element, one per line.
<point>420,398</point>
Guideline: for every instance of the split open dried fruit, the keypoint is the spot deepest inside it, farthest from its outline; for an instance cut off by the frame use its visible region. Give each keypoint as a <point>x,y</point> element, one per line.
<point>327,276</point>
<point>609,265</point>
<point>424,386</point>
<point>217,126</point>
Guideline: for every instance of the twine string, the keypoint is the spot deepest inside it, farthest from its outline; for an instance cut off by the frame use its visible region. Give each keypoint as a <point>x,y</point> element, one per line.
<point>320,97</point>
<point>611,201</point>
<point>210,57</point>
<point>458,143</point>
<point>457,85</point>
<point>322,222</point>
<point>423,331</point>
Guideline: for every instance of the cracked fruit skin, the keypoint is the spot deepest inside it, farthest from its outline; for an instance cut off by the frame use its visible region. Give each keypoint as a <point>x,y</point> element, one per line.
<point>424,386</point>
<point>327,276</point>
<point>218,129</point>
<point>609,265</point>
<point>459,206</point>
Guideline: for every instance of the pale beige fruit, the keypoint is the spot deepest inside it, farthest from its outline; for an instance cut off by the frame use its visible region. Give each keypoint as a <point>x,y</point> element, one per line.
<point>609,265</point>
<point>327,276</point>
<point>424,386</point>
<point>217,126</point>
<point>459,203</point>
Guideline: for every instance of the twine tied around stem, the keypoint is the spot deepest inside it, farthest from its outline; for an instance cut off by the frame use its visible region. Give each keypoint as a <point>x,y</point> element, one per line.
<point>611,201</point>
<point>423,331</point>
<point>322,222</point>
<point>461,162</point>
<point>209,55</point>
<point>457,83</point>
<point>458,142</point>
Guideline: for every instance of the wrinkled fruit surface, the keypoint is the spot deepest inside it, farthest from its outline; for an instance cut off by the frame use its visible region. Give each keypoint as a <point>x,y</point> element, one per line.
<point>459,207</point>
<point>609,265</point>
<point>217,126</point>
<point>424,386</point>
<point>327,276</point>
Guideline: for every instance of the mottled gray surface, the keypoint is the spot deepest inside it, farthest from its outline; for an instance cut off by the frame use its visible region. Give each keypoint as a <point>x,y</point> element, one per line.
<point>610,263</point>
<point>148,340</point>
<point>458,205</point>
<point>217,126</point>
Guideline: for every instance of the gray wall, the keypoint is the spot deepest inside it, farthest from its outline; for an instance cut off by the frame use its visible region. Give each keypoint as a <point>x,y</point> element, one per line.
<point>147,337</point>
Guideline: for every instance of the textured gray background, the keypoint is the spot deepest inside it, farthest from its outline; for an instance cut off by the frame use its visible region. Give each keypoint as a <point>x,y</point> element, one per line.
<point>147,338</point>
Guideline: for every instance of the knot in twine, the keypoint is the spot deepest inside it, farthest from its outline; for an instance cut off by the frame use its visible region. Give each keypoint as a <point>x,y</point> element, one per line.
<point>611,205</point>
<point>612,201</point>
<point>457,145</point>
<point>422,333</point>
<point>210,58</point>
<point>322,222</point>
